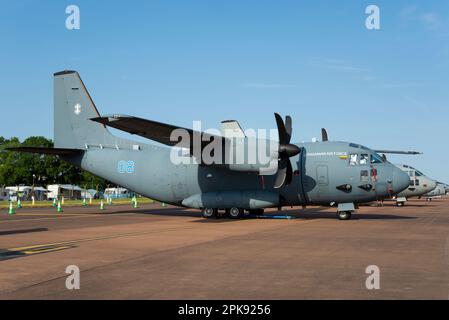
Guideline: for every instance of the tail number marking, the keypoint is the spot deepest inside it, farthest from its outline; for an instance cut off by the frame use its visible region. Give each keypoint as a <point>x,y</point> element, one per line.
<point>125,167</point>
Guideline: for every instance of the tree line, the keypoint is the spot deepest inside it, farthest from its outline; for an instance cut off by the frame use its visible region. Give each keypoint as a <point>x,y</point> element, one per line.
<point>18,168</point>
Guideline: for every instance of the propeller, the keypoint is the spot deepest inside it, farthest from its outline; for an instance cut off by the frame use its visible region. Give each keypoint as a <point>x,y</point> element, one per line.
<point>286,151</point>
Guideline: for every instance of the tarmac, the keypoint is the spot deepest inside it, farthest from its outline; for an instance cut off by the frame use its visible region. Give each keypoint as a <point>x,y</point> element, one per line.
<point>172,253</point>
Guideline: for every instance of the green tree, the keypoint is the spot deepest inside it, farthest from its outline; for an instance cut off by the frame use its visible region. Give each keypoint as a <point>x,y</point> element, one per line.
<point>24,168</point>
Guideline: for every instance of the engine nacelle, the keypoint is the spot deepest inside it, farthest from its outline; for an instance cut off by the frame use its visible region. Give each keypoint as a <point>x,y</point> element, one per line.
<point>252,155</point>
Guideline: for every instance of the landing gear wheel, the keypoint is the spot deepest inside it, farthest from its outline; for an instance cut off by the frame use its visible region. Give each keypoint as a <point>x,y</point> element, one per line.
<point>400,204</point>
<point>344,215</point>
<point>235,213</point>
<point>209,213</point>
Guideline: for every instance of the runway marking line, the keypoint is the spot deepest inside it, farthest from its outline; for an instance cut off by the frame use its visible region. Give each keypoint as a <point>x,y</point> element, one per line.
<point>71,242</point>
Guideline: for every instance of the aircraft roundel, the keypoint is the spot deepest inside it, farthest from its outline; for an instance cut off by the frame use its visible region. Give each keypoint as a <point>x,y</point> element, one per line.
<point>77,109</point>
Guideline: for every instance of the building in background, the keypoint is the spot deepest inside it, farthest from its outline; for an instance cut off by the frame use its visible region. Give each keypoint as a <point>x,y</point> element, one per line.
<point>25,193</point>
<point>117,193</point>
<point>68,191</point>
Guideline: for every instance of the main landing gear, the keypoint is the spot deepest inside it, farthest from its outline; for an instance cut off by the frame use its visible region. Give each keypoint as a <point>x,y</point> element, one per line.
<point>209,213</point>
<point>232,213</point>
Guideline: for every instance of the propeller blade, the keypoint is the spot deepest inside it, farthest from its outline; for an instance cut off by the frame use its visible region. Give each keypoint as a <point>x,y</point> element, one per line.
<point>324,136</point>
<point>281,176</point>
<point>286,150</point>
<point>288,128</point>
<point>281,129</point>
<point>289,177</point>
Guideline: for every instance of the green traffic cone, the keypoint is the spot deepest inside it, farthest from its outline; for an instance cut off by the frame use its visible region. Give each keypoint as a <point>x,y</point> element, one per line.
<point>59,207</point>
<point>19,204</point>
<point>163,204</point>
<point>11,209</point>
<point>54,202</point>
<point>84,202</point>
<point>135,203</point>
<point>101,205</point>
<point>110,201</point>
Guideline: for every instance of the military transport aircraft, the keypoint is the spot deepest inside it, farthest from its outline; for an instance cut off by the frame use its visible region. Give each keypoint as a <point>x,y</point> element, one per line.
<point>439,191</point>
<point>419,185</point>
<point>339,174</point>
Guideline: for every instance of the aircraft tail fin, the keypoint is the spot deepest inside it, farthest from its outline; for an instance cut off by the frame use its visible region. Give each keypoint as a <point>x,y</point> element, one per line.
<point>73,109</point>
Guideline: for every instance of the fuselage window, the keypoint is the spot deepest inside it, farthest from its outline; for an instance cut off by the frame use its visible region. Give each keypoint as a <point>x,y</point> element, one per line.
<point>417,182</point>
<point>364,176</point>
<point>353,159</point>
<point>411,174</point>
<point>363,159</point>
<point>412,183</point>
<point>375,158</point>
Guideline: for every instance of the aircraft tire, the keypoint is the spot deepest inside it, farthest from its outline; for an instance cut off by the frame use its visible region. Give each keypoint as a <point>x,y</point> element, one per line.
<point>235,213</point>
<point>400,204</point>
<point>344,215</point>
<point>209,213</point>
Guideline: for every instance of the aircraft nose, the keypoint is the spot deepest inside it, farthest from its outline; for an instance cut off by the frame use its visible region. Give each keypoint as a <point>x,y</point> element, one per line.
<point>432,185</point>
<point>401,180</point>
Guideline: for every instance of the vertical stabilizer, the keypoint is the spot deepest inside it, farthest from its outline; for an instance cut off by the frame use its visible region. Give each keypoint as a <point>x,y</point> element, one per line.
<point>73,109</point>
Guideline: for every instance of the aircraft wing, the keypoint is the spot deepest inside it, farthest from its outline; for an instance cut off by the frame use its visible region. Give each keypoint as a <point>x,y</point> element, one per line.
<point>398,152</point>
<point>154,130</point>
<point>50,151</point>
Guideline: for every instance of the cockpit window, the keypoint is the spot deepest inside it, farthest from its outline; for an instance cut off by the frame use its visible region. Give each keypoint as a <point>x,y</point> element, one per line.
<point>375,158</point>
<point>353,159</point>
<point>418,174</point>
<point>364,159</point>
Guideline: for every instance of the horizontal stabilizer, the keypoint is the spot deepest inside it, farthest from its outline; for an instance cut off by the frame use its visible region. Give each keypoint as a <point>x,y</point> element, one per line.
<point>50,151</point>
<point>398,152</point>
<point>153,130</point>
<point>231,129</point>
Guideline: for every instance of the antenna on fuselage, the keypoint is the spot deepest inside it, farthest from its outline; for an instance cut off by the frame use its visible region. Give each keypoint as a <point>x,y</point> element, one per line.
<point>324,136</point>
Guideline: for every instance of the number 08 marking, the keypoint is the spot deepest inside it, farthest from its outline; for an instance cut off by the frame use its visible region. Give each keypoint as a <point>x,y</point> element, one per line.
<point>125,166</point>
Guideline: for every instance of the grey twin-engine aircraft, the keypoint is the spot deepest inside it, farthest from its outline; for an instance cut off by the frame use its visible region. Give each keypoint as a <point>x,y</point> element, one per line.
<point>440,190</point>
<point>339,174</point>
<point>420,184</point>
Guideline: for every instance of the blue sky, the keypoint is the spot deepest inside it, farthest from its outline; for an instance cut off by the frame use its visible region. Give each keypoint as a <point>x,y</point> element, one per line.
<point>179,61</point>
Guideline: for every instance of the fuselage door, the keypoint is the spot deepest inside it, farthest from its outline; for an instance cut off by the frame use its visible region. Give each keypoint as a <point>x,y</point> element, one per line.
<point>322,181</point>
<point>322,175</point>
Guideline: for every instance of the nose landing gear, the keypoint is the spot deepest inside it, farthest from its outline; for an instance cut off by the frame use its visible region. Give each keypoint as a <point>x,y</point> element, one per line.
<point>344,215</point>
<point>345,210</point>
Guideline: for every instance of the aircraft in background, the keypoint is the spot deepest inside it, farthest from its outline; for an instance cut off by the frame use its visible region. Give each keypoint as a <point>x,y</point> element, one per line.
<point>339,174</point>
<point>445,186</point>
<point>419,185</point>
<point>440,190</point>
